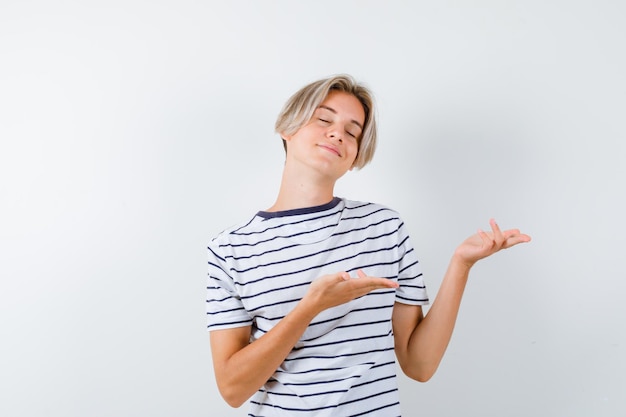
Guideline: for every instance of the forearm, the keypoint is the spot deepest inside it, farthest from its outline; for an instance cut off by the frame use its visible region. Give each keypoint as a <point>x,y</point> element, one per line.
<point>421,342</point>
<point>430,338</point>
<point>243,373</point>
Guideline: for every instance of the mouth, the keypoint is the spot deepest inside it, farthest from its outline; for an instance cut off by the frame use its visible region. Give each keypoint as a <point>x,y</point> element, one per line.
<point>330,148</point>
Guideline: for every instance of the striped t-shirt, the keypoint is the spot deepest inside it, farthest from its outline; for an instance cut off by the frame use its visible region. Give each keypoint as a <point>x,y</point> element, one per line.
<point>344,363</point>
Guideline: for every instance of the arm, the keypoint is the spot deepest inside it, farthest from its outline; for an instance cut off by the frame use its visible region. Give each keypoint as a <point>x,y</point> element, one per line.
<point>241,367</point>
<point>422,341</point>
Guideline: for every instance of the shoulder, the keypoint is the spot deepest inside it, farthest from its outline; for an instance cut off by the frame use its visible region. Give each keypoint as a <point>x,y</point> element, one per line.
<point>364,207</point>
<point>232,233</point>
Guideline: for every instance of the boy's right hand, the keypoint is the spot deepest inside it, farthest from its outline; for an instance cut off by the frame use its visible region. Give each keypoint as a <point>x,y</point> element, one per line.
<point>339,288</point>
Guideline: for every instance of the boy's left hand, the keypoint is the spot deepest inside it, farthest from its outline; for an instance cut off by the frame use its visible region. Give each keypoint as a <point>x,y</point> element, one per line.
<point>484,244</point>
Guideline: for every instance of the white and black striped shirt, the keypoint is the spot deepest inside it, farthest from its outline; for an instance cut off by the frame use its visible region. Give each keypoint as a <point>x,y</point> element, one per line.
<point>344,363</point>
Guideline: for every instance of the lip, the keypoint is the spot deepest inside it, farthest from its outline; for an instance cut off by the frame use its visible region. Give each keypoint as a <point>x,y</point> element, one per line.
<point>330,148</point>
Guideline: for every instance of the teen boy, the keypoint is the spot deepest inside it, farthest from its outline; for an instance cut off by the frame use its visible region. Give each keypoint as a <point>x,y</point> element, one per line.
<point>311,302</point>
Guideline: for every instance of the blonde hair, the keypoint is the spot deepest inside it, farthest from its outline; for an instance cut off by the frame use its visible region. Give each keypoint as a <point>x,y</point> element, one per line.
<point>300,107</point>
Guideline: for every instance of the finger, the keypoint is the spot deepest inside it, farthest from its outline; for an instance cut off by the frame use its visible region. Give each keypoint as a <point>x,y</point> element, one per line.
<point>343,276</point>
<point>373,283</point>
<point>497,233</point>
<point>510,233</point>
<point>376,282</point>
<point>516,239</point>
<point>487,240</point>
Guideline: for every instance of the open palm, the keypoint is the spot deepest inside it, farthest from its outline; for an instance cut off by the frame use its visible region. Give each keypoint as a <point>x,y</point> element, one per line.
<point>484,244</point>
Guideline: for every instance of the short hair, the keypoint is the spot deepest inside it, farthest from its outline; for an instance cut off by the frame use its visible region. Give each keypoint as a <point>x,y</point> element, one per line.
<point>299,109</point>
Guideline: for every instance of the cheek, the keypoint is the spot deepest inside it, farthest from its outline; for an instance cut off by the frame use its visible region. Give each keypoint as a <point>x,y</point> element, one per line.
<point>354,148</point>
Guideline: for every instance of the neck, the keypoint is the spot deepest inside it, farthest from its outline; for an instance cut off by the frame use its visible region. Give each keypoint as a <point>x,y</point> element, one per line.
<point>298,191</point>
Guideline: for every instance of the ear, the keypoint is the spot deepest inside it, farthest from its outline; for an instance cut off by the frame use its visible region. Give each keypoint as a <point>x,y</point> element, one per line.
<point>286,139</point>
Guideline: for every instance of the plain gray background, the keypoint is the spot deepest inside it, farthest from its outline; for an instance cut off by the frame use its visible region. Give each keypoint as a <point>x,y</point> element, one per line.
<point>134,131</point>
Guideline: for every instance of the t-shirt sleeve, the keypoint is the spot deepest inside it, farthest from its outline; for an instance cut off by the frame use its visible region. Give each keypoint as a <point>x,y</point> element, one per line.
<point>412,289</point>
<point>223,304</point>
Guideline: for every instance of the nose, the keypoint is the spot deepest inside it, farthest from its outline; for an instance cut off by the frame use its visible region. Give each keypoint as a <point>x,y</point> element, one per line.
<point>335,133</point>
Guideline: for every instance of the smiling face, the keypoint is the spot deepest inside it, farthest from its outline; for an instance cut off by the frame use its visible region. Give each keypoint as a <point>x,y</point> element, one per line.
<point>329,142</point>
<point>298,111</point>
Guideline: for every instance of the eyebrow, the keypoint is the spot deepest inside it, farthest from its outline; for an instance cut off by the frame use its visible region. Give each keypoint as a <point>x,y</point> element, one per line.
<point>321,106</point>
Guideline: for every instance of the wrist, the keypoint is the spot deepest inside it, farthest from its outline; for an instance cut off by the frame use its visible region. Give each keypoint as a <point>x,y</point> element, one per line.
<point>307,309</point>
<point>461,263</point>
